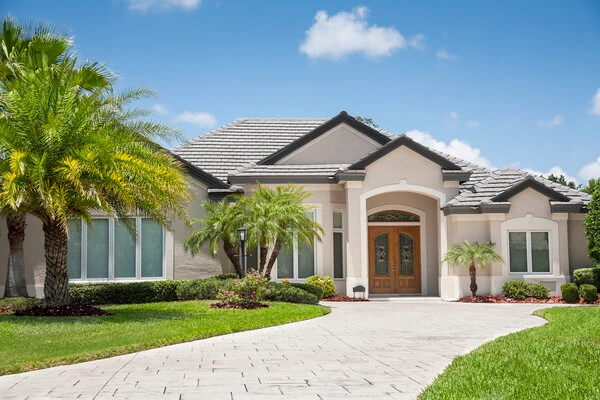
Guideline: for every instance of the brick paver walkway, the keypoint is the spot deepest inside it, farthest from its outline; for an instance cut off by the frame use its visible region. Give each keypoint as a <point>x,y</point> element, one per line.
<point>375,350</point>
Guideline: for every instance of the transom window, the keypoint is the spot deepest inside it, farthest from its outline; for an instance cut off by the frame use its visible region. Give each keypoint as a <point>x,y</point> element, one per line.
<point>394,216</point>
<point>105,250</point>
<point>529,252</point>
<point>297,262</point>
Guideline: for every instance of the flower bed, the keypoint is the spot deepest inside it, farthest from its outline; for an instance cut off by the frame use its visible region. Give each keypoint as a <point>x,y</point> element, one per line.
<point>344,298</point>
<point>504,299</point>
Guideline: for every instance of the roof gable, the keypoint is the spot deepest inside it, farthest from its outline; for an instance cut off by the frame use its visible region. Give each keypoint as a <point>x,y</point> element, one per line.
<point>341,118</point>
<point>404,140</point>
<point>530,183</point>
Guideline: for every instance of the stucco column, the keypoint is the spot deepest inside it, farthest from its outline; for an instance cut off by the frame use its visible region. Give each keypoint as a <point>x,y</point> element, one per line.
<point>353,238</point>
<point>563,238</point>
<point>498,269</point>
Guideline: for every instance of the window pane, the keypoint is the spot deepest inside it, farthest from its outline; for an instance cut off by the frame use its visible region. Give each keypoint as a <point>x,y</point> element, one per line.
<point>152,249</point>
<point>406,254</point>
<point>540,252</point>
<point>285,264</point>
<point>393,216</point>
<point>381,254</point>
<point>124,251</point>
<point>338,220</point>
<point>517,242</point>
<point>74,249</point>
<point>97,249</point>
<point>306,260</point>
<point>338,255</point>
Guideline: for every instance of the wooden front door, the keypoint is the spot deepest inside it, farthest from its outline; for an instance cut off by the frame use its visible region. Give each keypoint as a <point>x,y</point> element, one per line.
<point>394,259</point>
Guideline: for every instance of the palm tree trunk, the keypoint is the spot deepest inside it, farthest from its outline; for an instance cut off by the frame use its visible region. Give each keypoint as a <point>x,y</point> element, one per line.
<point>233,256</point>
<point>273,258</point>
<point>16,285</point>
<point>56,284</point>
<point>263,258</point>
<point>473,275</point>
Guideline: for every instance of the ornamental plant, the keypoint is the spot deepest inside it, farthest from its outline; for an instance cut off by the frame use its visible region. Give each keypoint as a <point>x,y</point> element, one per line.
<point>246,292</point>
<point>324,282</point>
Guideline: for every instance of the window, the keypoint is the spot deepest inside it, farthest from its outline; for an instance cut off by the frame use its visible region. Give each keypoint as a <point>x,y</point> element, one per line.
<point>529,252</point>
<point>297,262</point>
<point>105,250</point>
<point>338,245</point>
<point>394,216</point>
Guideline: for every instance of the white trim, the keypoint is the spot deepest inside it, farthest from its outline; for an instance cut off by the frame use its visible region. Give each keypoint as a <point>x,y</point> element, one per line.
<point>324,136</point>
<point>392,223</point>
<point>529,254</point>
<point>402,186</point>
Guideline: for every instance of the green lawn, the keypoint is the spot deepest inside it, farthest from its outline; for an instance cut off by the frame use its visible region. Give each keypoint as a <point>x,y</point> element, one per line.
<point>28,343</point>
<point>560,360</point>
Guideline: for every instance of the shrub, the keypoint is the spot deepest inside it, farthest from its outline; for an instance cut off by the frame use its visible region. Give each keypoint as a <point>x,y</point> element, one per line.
<point>12,304</point>
<point>313,289</point>
<point>226,276</point>
<point>124,293</point>
<point>324,282</point>
<point>516,289</point>
<point>202,289</point>
<point>289,294</point>
<point>538,290</point>
<point>588,292</point>
<point>569,293</point>
<point>583,276</point>
<point>596,273</point>
<point>245,292</point>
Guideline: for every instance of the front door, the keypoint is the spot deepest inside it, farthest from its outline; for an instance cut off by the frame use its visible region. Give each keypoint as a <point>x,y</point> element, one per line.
<point>394,259</point>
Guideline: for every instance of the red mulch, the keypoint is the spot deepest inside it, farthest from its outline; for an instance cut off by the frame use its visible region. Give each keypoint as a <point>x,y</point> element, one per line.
<point>242,306</point>
<point>344,298</point>
<point>76,310</point>
<point>504,299</point>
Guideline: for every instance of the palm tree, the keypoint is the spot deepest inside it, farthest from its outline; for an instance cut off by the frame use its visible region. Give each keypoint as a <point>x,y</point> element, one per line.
<point>220,225</point>
<point>69,146</point>
<point>25,46</point>
<point>472,255</point>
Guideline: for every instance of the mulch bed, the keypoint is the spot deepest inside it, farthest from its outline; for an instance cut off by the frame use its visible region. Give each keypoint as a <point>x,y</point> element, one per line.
<point>531,300</point>
<point>245,306</point>
<point>77,310</point>
<point>344,298</point>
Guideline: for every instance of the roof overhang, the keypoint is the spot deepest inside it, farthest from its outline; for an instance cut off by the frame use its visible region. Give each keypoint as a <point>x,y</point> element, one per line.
<point>211,181</point>
<point>483,208</point>
<point>531,183</point>
<point>449,175</point>
<point>567,207</point>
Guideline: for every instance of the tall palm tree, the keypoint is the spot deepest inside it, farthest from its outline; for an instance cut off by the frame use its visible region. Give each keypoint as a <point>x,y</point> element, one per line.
<point>25,46</point>
<point>220,225</point>
<point>472,255</point>
<point>68,148</point>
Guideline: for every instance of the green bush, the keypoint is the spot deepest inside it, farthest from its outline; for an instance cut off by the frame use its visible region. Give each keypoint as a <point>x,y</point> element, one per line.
<point>313,289</point>
<point>124,293</point>
<point>324,282</point>
<point>245,292</point>
<point>225,277</point>
<point>518,289</point>
<point>596,273</point>
<point>569,293</point>
<point>588,292</point>
<point>12,304</point>
<point>583,276</point>
<point>538,290</point>
<point>202,289</point>
<point>289,294</point>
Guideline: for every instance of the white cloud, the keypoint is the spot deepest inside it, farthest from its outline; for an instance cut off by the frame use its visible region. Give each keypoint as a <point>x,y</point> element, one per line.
<point>160,109</point>
<point>337,36</point>
<point>557,120</point>
<point>444,55</point>
<point>556,171</point>
<point>472,124</point>
<point>596,103</point>
<point>145,5</point>
<point>202,119</point>
<point>590,171</point>
<point>456,147</point>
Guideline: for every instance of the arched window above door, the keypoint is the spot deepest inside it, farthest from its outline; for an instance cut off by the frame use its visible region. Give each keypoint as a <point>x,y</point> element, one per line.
<point>393,216</point>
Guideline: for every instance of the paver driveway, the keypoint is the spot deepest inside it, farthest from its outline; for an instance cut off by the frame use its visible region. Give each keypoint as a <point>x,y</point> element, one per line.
<point>374,350</point>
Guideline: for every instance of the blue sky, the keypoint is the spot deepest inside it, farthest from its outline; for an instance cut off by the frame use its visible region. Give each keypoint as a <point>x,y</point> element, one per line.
<point>499,83</point>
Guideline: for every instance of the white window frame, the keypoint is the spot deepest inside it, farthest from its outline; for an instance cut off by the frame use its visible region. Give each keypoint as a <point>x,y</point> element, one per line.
<point>295,278</point>
<point>341,231</point>
<point>529,251</point>
<point>111,253</point>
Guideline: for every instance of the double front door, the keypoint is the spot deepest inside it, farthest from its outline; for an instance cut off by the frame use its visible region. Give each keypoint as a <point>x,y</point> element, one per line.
<point>394,259</point>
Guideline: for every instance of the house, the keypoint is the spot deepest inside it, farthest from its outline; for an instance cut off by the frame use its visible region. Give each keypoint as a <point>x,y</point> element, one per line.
<point>390,208</point>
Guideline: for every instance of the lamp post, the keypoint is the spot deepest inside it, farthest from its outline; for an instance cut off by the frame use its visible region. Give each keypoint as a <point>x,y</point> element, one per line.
<point>243,236</point>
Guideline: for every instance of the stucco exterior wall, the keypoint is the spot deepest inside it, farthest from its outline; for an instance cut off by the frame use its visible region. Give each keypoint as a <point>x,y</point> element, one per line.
<point>341,145</point>
<point>578,257</point>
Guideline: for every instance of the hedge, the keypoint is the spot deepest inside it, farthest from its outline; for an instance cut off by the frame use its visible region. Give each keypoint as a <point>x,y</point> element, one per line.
<point>518,289</point>
<point>203,289</point>
<point>569,293</point>
<point>584,276</point>
<point>289,294</point>
<point>124,293</point>
<point>313,289</point>
<point>588,292</point>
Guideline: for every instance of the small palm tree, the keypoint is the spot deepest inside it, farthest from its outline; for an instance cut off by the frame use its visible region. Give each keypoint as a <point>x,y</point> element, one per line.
<point>220,225</point>
<point>472,255</point>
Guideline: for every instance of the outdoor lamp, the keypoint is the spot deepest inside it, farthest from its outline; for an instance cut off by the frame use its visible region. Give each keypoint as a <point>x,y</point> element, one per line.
<point>243,236</point>
<point>242,233</point>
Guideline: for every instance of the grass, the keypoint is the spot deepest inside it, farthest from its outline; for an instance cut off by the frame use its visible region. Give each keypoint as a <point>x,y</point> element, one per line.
<point>28,343</point>
<point>556,361</point>
<point>17,303</point>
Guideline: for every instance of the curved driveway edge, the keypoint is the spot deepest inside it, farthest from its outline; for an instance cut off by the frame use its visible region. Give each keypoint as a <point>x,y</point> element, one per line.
<point>376,350</point>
